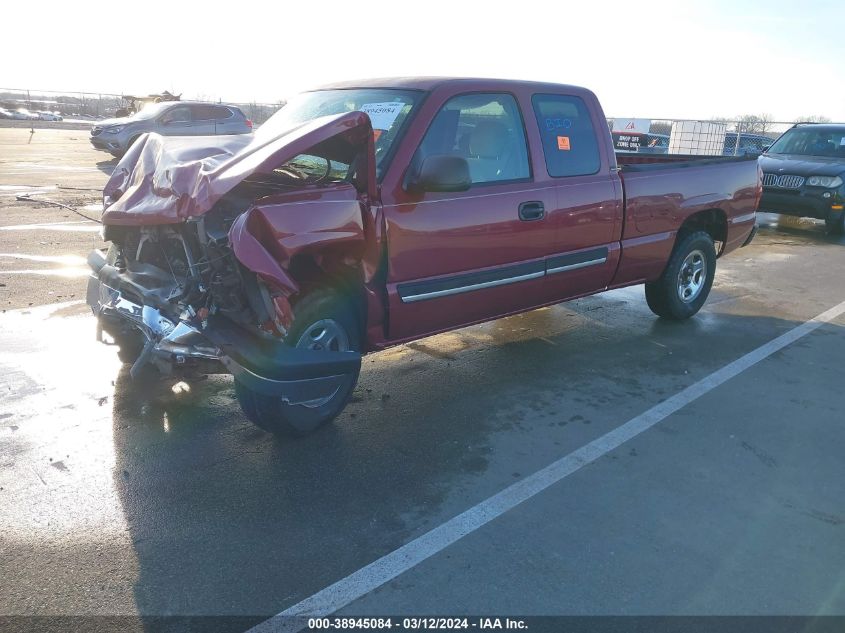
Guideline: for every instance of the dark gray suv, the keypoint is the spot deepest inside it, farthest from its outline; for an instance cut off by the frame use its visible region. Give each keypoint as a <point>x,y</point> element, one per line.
<point>804,174</point>
<point>173,118</point>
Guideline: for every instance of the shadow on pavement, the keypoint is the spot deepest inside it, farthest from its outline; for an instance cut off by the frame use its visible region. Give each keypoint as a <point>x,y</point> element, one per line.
<point>227,520</point>
<point>107,166</point>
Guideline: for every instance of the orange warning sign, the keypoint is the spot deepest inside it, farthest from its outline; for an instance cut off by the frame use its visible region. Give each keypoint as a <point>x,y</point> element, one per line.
<point>563,142</point>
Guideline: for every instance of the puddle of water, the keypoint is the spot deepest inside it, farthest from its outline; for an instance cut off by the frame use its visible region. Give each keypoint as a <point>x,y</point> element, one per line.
<point>54,259</point>
<point>16,190</point>
<point>51,272</point>
<point>83,226</point>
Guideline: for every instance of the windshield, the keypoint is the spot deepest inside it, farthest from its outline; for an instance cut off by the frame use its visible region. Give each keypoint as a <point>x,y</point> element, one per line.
<point>388,110</point>
<point>811,141</point>
<point>151,111</point>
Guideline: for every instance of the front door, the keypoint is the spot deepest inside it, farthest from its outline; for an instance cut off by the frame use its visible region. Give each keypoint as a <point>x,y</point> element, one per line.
<point>459,258</point>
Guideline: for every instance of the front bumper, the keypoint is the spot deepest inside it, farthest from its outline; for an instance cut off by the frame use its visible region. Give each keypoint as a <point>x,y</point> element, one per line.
<point>800,203</point>
<point>107,142</point>
<point>263,363</point>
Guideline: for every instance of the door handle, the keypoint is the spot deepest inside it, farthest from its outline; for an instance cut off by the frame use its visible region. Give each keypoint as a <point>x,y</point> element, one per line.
<point>533,210</point>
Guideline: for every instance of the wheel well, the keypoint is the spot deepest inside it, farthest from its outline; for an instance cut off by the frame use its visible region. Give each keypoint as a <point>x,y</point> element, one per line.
<point>341,278</point>
<point>712,221</point>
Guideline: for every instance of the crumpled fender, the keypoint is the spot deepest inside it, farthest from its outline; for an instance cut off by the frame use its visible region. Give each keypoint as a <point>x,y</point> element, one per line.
<point>165,180</point>
<point>322,223</point>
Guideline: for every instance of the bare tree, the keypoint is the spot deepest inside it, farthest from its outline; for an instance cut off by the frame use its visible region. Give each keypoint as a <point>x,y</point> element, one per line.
<point>661,127</point>
<point>813,118</point>
<point>755,123</point>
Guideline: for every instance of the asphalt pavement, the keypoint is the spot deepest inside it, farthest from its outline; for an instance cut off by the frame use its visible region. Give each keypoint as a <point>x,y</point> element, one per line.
<point>159,499</point>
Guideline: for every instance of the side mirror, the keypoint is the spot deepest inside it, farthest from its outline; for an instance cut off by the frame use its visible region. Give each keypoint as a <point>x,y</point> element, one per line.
<point>765,148</point>
<point>441,172</point>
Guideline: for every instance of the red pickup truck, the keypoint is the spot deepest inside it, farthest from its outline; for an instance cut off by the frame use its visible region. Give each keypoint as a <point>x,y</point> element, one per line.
<point>368,214</point>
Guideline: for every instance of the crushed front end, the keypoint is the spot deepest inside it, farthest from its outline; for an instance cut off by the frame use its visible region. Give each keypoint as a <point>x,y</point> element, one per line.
<point>196,278</point>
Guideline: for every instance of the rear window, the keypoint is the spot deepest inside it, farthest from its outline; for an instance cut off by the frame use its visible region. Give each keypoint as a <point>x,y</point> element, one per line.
<point>569,140</point>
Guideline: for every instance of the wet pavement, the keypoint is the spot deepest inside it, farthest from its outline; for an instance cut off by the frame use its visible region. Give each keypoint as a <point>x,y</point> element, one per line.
<point>154,498</point>
<point>49,165</point>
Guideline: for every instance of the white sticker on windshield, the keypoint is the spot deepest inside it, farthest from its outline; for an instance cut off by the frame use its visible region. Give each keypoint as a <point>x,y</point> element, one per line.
<point>383,115</point>
<point>842,141</point>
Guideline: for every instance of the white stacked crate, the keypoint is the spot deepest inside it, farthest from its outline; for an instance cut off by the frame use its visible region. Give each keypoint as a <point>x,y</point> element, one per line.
<point>701,138</point>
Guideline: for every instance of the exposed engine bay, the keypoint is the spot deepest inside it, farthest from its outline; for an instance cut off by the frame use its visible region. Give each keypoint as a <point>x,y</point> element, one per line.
<point>193,266</point>
<point>212,246</point>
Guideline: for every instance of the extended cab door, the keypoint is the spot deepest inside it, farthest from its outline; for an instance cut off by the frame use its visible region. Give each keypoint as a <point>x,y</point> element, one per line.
<point>462,257</point>
<point>586,219</point>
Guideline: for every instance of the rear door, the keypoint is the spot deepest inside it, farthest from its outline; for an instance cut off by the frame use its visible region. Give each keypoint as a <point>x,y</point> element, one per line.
<point>203,122</point>
<point>458,258</point>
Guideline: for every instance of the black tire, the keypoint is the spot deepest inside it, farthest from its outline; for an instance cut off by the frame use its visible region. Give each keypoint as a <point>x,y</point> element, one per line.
<point>837,226</point>
<point>273,415</point>
<point>664,295</point>
<point>120,153</point>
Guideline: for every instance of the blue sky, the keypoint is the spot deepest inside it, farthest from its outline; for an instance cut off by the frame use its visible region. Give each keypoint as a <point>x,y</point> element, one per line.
<point>644,59</point>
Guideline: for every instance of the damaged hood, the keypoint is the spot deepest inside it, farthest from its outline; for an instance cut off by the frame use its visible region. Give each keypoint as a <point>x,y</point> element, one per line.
<point>165,180</point>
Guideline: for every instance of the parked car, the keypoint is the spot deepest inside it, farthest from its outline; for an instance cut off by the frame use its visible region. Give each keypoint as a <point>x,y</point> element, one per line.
<point>804,174</point>
<point>22,114</point>
<point>365,215</point>
<point>748,144</point>
<point>49,116</point>
<point>6,114</point>
<point>176,118</point>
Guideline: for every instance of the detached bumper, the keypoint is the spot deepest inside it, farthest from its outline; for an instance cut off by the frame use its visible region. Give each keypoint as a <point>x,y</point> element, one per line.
<point>263,363</point>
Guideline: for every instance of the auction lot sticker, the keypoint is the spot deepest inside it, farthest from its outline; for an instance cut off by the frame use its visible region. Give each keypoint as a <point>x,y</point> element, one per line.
<point>382,115</point>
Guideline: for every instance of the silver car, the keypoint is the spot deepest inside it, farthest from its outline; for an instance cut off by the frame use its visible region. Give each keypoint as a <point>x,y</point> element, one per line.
<point>172,118</point>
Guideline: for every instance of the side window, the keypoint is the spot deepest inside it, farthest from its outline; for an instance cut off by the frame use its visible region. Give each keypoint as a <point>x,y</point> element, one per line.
<point>222,112</point>
<point>487,130</point>
<point>179,114</point>
<point>569,140</point>
<point>205,112</point>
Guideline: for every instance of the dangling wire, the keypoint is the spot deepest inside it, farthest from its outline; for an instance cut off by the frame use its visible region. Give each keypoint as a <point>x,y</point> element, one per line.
<point>27,197</point>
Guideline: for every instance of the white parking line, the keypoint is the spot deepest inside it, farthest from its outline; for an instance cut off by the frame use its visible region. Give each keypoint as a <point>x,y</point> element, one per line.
<point>83,226</point>
<point>388,567</point>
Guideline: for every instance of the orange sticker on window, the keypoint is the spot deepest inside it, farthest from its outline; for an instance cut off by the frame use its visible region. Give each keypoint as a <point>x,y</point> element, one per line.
<point>376,134</point>
<point>563,143</point>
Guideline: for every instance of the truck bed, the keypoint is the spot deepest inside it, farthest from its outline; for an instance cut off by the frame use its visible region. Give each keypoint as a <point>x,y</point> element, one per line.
<point>630,161</point>
<point>662,191</point>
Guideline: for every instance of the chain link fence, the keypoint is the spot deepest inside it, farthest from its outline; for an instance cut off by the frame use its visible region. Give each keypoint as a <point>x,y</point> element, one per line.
<point>93,106</point>
<point>714,137</point>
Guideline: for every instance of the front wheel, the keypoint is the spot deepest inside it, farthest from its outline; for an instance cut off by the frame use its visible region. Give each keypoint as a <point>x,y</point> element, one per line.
<point>322,321</point>
<point>836,226</point>
<point>683,287</point>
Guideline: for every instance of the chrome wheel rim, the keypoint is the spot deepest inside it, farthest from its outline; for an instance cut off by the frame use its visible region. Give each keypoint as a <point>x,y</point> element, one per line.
<point>323,335</point>
<point>692,276</point>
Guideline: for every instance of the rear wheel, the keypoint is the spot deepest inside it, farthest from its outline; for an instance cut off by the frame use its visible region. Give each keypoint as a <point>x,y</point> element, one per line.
<point>683,287</point>
<point>322,321</point>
